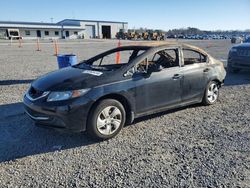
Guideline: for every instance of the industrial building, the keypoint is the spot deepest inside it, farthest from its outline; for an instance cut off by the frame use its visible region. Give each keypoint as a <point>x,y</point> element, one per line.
<point>68,29</point>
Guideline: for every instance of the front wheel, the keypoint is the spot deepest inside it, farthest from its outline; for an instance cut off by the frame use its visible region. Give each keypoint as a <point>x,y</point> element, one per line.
<point>106,119</point>
<point>211,94</point>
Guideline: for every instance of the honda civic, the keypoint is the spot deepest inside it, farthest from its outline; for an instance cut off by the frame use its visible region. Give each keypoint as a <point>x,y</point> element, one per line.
<point>102,94</point>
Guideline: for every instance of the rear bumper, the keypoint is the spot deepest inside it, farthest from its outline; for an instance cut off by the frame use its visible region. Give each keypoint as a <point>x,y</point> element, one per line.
<point>72,117</point>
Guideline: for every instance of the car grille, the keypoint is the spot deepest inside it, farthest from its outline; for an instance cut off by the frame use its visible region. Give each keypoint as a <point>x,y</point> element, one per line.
<point>242,65</point>
<point>244,52</point>
<point>34,93</point>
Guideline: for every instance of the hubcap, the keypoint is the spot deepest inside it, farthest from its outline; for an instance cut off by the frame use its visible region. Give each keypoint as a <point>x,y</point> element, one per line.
<point>212,93</point>
<point>109,120</point>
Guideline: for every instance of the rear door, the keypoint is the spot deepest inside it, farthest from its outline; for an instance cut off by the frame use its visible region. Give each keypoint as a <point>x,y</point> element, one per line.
<point>195,72</point>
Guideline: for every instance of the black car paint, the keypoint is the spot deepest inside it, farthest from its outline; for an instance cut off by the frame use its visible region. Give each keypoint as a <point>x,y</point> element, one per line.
<point>142,94</point>
<point>240,59</point>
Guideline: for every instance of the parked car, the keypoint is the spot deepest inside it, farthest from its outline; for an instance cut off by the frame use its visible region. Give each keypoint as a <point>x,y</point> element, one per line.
<point>100,95</point>
<point>239,58</point>
<point>172,36</point>
<point>13,34</point>
<point>247,40</point>
<point>233,40</point>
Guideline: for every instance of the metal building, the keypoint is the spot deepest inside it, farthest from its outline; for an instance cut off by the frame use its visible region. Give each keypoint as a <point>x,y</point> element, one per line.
<point>97,29</point>
<point>68,28</point>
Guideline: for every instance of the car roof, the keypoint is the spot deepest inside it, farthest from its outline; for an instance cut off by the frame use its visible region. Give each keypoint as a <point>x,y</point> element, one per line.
<point>158,45</point>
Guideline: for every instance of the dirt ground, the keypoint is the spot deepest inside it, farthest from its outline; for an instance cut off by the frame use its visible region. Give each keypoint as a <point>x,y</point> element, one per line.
<point>196,146</point>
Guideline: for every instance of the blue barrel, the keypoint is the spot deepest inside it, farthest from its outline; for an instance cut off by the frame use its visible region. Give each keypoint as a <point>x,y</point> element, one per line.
<point>66,60</point>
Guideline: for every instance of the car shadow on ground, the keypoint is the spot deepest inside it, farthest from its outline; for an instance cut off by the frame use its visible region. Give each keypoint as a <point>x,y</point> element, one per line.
<point>13,82</point>
<point>19,137</point>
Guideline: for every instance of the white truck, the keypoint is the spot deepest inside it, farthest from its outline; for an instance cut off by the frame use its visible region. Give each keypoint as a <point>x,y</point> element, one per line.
<point>13,34</point>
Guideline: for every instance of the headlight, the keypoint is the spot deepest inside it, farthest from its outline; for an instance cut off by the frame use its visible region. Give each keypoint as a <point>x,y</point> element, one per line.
<point>233,50</point>
<point>64,95</point>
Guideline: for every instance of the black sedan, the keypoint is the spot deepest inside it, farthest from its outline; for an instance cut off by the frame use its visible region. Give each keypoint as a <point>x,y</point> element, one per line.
<point>239,58</point>
<point>105,92</point>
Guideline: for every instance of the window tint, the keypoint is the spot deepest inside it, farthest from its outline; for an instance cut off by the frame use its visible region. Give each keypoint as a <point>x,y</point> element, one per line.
<point>192,57</point>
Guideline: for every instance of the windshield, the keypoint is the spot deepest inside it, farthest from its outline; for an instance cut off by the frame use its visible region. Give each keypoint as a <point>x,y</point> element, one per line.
<point>111,60</point>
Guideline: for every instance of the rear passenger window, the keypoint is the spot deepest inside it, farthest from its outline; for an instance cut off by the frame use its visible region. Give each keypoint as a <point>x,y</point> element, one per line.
<point>192,57</point>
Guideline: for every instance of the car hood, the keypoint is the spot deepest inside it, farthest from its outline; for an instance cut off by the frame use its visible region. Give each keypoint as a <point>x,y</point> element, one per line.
<point>70,78</point>
<point>244,45</point>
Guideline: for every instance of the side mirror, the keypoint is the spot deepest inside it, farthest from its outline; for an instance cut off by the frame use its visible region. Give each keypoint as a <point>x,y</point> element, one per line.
<point>130,72</point>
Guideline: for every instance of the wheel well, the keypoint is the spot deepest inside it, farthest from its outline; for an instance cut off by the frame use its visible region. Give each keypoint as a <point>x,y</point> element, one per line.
<point>218,82</point>
<point>122,100</point>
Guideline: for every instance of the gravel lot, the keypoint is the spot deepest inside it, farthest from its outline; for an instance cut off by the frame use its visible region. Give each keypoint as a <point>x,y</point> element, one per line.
<point>197,146</point>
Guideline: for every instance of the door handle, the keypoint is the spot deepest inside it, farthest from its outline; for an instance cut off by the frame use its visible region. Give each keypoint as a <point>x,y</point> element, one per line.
<point>177,76</point>
<point>206,70</point>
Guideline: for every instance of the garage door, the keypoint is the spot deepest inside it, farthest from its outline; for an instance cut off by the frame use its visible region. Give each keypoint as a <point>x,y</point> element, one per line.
<point>90,31</point>
<point>106,32</point>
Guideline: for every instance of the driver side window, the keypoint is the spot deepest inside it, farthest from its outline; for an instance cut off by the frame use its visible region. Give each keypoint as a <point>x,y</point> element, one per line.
<point>160,60</point>
<point>156,62</point>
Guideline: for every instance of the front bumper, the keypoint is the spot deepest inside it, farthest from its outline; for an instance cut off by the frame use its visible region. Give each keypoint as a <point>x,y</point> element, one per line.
<point>59,115</point>
<point>239,62</point>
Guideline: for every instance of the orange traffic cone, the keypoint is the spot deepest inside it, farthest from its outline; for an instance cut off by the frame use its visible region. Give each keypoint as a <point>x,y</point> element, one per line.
<point>38,48</point>
<point>20,42</point>
<point>56,48</point>
<point>118,55</point>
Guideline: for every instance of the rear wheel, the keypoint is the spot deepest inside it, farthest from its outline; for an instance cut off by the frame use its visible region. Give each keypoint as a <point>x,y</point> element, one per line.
<point>106,119</point>
<point>211,94</point>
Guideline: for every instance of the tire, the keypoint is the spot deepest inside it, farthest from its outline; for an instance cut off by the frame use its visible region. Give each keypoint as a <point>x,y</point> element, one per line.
<point>101,124</point>
<point>211,94</point>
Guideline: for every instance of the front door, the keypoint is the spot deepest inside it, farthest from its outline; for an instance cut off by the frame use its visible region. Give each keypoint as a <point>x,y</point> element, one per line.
<point>160,87</point>
<point>38,33</point>
<point>106,32</point>
<point>67,33</point>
